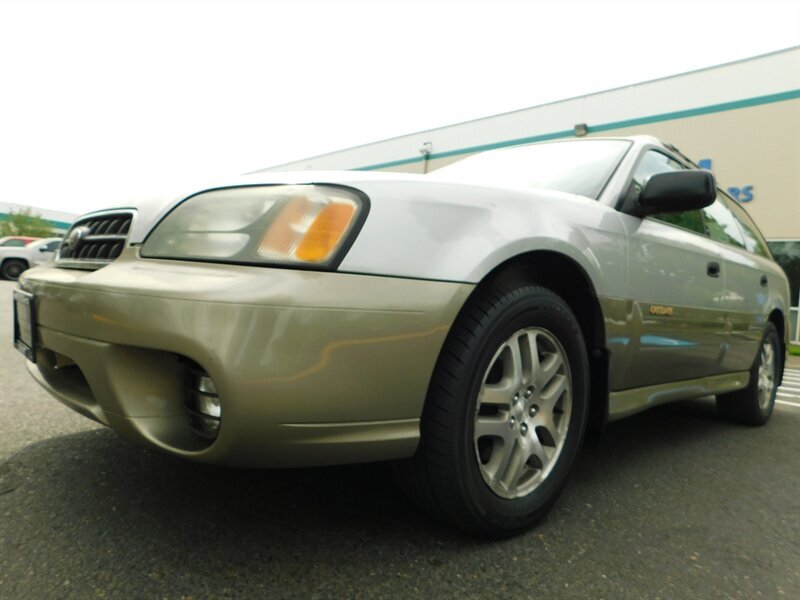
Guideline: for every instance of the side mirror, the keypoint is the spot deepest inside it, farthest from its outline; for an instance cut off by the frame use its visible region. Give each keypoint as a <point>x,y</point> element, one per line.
<point>43,249</point>
<point>675,191</point>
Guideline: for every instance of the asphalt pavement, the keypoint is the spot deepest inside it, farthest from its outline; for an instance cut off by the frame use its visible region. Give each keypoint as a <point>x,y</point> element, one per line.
<point>672,503</point>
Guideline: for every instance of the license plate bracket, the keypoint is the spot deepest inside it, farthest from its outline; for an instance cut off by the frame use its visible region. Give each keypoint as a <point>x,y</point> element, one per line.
<point>25,324</point>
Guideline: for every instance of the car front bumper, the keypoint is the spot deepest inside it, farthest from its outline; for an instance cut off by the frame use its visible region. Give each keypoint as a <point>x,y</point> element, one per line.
<point>311,368</point>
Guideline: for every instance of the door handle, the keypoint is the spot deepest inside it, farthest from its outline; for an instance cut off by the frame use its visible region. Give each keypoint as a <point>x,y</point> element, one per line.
<point>763,281</point>
<point>713,269</point>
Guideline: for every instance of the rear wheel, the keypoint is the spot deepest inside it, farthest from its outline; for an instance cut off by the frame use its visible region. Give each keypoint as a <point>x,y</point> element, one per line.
<point>753,405</point>
<point>505,414</point>
<point>13,268</point>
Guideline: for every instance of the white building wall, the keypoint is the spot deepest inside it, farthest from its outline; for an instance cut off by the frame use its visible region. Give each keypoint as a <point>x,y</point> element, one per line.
<point>763,79</point>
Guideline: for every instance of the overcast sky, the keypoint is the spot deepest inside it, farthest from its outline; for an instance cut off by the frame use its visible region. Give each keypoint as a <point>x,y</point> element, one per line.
<point>101,102</point>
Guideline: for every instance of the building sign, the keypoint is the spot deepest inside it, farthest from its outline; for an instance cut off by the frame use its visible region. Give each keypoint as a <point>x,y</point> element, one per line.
<point>742,194</point>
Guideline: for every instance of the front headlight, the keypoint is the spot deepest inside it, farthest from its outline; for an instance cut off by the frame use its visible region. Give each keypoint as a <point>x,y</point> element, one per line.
<point>300,225</point>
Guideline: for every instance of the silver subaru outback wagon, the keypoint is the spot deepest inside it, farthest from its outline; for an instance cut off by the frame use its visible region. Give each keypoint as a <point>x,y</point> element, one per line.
<point>470,325</point>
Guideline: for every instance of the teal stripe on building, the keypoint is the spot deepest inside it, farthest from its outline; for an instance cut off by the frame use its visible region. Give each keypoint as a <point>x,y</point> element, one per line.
<point>599,128</point>
<point>60,225</point>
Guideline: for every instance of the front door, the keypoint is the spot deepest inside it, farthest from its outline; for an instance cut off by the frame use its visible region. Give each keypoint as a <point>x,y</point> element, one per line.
<point>676,317</point>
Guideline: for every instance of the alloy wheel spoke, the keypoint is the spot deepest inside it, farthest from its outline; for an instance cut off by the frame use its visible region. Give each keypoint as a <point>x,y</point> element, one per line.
<point>549,367</point>
<point>505,454</point>
<point>515,468</point>
<point>531,366</point>
<point>768,356</point>
<point>551,394</point>
<point>492,427</point>
<point>514,370</point>
<point>497,394</point>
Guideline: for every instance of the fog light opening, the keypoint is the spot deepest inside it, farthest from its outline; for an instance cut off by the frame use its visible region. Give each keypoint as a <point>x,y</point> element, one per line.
<point>202,404</point>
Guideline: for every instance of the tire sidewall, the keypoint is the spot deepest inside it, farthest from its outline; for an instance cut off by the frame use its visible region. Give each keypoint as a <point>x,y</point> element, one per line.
<point>9,272</point>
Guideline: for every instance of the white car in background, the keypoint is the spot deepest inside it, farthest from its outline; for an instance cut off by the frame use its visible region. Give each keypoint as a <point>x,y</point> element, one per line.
<point>14,259</point>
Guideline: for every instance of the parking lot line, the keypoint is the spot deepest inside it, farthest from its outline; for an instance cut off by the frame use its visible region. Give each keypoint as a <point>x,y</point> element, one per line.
<point>789,391</point>
<point>784,402</point>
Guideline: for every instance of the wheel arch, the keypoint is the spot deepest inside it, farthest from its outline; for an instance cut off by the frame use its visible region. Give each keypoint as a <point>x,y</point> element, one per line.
<point>564,276</point>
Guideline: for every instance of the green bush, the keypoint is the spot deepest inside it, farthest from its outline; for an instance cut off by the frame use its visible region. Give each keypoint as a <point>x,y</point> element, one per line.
<point>25,222</point>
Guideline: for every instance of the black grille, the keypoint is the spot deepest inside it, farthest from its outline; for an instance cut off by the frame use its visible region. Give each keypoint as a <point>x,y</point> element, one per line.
<point>96,238</point>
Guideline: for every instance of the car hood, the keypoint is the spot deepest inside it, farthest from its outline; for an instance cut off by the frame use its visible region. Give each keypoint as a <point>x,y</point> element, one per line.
<point>374,183</point>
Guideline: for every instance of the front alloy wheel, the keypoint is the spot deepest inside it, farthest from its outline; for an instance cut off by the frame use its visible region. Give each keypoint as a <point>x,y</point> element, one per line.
<point>522,414</point>
<point>505,414</point>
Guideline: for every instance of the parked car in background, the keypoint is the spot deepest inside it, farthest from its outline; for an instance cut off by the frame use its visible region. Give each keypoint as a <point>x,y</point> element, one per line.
<point>16,259</point>
<point>474,322</point>
<point>16,241</point>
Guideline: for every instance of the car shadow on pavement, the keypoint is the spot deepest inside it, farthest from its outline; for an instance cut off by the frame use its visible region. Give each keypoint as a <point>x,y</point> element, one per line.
<point>662,433</point>
<point>101,500</point>
<point>110,477</point>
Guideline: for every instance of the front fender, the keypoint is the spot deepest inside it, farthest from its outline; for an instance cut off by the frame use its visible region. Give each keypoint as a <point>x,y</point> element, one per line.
<point>461,233</point>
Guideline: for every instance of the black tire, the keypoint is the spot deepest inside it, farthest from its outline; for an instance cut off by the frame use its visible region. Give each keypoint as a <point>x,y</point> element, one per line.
<point>748,406</point>
<point>444,477</point>
<point>13,268</point>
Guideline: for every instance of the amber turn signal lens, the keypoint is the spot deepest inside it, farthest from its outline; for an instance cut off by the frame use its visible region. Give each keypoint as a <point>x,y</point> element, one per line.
<point>280,238</point>
<point>325,232</point>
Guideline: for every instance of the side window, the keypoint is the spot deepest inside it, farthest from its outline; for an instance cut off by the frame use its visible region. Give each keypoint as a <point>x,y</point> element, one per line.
<point>14,243</point>
<point>721,224</point>
<point>655,162</point>
<point>691,220</point>
<point>53,246</point>
<point>753,240</point>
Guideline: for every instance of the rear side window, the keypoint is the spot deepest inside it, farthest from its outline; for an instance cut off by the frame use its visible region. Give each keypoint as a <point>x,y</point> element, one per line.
<point>721,225</point>
<point>724,221</point>
<point>13,244</point>
<point>753,240</point>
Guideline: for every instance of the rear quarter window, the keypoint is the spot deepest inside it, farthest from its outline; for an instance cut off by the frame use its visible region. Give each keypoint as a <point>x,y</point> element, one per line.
<point>721,225</point>
<point>753,240</point>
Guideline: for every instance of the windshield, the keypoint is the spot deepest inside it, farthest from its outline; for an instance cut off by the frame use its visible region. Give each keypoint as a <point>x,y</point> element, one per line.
<point>577,166</point>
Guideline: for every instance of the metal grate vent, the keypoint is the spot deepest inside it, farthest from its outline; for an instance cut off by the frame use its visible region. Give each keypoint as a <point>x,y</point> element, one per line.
<point>95,240</point>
